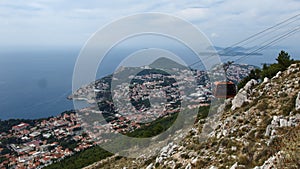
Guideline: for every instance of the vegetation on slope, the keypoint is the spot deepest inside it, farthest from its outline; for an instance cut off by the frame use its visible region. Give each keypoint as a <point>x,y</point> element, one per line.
<point>6,125</point>
<point>283,62</point>
<point>81,159</point>
<point>96,153</point>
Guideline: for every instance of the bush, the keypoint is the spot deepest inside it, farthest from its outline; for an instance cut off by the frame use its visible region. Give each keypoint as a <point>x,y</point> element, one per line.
<point>269,71</point>
<point>81,159</point>
<point>254,74</point>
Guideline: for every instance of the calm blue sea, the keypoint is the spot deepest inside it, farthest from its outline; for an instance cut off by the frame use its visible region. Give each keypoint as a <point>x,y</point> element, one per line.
<point>35,83</point>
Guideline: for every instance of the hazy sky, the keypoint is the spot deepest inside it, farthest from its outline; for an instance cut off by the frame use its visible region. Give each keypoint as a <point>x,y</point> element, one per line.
<point>71,22</point>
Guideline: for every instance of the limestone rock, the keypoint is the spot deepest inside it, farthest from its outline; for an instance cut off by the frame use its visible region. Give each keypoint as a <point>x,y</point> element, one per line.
<point>268,131</point>
<point>243,95</point>
<point>277,75</point>
<point>297,104</point>
<point>266,80</point>
<point>194,161</point>
<point>234,166</point>
<point>150,166</point>
<point>189,166</point>
<point>283,123</point>
<point>239,100</point>
<point>159,160</point>
<point>250,85</point>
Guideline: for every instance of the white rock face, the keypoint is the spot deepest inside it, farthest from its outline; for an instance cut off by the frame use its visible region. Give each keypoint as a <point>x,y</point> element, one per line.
<point>189,166</point>
<point>194,161</point>
<point>268,131</point>
<point>242,95</point>
<point>166,152</point>
<point>266,80</point>
<point>281,121</point>
<point>292,69</point>
<point>250,84</point>
<point>297,104</point>
<point>239,100</point>
<point>159,160</point>
<point>277,75</point>
<point>150,166</point>
<point>234,166</point>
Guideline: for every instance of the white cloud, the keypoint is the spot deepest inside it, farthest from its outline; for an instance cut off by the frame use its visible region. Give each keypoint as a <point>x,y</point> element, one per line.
<point>193,14</point>
<point>67,22</point>
<point>214,35</point>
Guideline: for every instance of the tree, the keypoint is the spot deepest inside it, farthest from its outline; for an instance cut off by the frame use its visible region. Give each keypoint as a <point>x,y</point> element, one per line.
<point>284,60</point>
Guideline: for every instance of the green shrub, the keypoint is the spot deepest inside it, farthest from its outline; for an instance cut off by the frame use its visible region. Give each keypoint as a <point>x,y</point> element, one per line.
<point>283,62</point>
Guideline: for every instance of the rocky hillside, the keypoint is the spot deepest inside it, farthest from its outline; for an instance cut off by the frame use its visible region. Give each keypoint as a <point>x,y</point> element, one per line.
<point>259,128</point>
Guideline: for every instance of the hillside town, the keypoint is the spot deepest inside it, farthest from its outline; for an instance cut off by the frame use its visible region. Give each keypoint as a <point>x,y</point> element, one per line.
<point>38,145</point>
<point>133,104</point>
<point>101,89</point>
<point>145,97</point>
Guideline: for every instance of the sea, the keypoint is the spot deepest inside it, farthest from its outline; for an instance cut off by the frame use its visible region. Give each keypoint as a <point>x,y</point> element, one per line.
<point>35,83</point>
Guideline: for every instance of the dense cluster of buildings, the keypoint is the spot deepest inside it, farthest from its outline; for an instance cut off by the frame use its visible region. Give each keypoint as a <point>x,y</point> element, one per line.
<point>145,97</point>
<point>38,145</point>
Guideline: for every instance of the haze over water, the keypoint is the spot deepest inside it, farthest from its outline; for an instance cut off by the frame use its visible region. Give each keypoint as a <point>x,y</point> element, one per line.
<point>35,83</point>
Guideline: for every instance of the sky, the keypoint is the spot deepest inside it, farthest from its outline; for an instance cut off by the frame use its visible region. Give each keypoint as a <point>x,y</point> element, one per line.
<point>36,25</point>
<point>63,23</point>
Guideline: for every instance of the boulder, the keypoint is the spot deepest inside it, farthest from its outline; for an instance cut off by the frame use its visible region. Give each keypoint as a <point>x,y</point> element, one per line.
<point>189,166</point>
<point>283,123</point>
<point>297,104</point>
<point>159,160</point>
<point>243,95</point>
<point>194,161</point>
<point>150,166</point>
<point>234,166</point>
<point>239,100</point>
<point>268,131</point>
<point>250,85</point>
<point>277,75</point>
<point>266,80</point>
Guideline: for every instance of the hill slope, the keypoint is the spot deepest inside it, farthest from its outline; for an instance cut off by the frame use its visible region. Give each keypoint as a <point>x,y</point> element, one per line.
<point>258,129</point>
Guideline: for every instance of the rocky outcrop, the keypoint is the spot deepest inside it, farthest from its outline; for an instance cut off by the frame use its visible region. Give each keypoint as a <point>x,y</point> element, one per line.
<point>281,121</point>
<point>252,130</point>
<point>243,96</point>
<point>166,152</point>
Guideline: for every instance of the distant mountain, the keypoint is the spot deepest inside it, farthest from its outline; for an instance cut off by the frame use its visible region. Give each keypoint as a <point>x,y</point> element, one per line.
<point>234,51</point>
<point>165,63</point>
<point>215,48</point>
